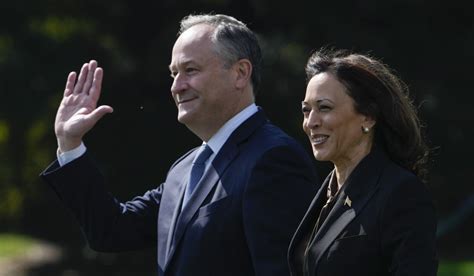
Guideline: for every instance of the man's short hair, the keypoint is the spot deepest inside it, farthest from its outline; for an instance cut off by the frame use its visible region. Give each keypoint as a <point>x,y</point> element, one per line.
<point>233,40</point>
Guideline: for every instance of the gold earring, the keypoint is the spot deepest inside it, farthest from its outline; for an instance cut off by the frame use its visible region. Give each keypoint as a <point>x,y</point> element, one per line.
<point>365,129</point>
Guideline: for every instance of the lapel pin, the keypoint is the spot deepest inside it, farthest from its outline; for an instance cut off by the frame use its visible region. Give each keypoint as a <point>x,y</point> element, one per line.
<point>348,201</point>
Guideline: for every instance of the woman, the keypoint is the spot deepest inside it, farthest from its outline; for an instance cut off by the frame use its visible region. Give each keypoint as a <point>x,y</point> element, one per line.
<point>372,215</point>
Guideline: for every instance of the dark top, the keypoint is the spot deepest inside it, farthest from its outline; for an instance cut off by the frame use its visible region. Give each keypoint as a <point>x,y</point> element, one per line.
<point>382,223</point>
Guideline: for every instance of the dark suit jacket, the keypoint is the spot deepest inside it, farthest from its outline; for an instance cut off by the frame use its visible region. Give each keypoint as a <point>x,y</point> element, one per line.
<point>239,221</point>
<point>382,223</point>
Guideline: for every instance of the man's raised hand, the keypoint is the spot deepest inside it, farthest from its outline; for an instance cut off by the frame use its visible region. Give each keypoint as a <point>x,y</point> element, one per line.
<point>78,111</point>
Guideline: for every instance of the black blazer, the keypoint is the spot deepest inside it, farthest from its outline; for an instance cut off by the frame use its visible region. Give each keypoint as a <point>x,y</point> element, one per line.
<point>239,221</point>
<point>383,223</point>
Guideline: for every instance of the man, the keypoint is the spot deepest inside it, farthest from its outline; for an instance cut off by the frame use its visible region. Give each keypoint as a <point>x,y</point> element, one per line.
<point>235,219</point>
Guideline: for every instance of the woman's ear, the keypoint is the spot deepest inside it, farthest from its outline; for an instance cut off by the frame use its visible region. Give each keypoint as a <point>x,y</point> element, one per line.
<point>368,123</point>
<point>243,69</point>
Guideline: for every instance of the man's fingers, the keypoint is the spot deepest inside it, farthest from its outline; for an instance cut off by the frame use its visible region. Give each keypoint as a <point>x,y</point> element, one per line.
<point>88,82</point>
<point>71,79</point>
<point>94,92</point>
<point>81,79</point>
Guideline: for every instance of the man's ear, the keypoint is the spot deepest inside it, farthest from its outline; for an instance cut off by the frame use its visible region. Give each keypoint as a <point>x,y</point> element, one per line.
<point>243,69</point>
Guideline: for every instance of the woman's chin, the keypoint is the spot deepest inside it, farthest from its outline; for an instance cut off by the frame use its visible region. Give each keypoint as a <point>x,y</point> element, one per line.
<point>320,156</point>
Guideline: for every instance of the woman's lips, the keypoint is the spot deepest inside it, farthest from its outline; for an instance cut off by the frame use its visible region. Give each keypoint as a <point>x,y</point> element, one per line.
<point>319,139</point>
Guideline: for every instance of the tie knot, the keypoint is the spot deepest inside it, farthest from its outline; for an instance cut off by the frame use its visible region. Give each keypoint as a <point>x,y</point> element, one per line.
<point>203,154</point>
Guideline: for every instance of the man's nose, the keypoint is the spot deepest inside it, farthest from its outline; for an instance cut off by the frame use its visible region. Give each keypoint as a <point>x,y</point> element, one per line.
<point>179,84</point>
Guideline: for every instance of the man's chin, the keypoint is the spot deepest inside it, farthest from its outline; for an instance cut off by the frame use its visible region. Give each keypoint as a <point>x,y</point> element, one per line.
<point>184,117</point>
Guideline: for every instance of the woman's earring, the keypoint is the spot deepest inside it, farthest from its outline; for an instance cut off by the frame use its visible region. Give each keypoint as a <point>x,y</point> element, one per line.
<point>365,129</point>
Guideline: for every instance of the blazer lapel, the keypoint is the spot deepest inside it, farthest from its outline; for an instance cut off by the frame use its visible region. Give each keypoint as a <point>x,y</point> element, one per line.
<point>211,177</point>
<point>337,219</point>
<point>353,196</point>
<point>305,228</point>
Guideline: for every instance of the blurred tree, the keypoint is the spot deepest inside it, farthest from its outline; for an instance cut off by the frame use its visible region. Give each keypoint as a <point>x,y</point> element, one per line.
<point>429,45</point>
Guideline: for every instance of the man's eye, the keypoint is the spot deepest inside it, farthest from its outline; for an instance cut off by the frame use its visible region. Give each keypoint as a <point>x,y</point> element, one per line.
<point>190,70</point>
<point>173,74</point>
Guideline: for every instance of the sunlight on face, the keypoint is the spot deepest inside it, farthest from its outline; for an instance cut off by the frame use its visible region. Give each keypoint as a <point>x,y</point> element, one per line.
<point>202,86</point>
<point>331,122</point>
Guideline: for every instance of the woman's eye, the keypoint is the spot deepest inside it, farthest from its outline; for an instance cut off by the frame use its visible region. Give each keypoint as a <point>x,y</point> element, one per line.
<point>305,109</point>
<point>324,108</point>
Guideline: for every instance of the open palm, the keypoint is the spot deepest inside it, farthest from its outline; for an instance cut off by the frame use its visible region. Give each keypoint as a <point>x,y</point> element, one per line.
<point>78,111</point>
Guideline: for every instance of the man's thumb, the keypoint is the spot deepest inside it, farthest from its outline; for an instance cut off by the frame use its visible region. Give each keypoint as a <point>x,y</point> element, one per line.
<point>99,112</point>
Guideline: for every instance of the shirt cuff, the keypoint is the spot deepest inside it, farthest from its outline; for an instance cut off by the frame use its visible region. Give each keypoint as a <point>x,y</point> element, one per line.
<point>68,156</point>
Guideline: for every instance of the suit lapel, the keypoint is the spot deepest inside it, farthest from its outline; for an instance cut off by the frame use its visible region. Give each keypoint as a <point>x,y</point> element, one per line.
<point>170,206</point>
<point>176,212</point>
<point>353,196</point>
<point>211,177</point>
<point>205,185</point>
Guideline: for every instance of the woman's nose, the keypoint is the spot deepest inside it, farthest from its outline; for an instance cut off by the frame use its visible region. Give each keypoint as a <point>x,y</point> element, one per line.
<point>313,120</point>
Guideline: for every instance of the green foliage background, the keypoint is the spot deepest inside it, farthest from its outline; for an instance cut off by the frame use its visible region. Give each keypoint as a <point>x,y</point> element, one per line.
<point>429,43</point>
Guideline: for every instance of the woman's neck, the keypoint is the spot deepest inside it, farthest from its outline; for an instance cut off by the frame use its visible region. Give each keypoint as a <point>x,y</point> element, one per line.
<point>345,166</point>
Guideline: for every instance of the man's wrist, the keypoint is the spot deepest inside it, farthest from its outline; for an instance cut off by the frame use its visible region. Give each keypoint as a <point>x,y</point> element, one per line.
<point>65,146</point>
<point>71,155</point>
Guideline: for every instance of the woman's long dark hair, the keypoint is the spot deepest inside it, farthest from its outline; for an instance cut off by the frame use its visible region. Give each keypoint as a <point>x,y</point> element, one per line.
<point>381,95</point>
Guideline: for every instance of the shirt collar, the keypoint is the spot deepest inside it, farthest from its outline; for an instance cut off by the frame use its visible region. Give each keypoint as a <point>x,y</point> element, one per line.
<point>218,140</point>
